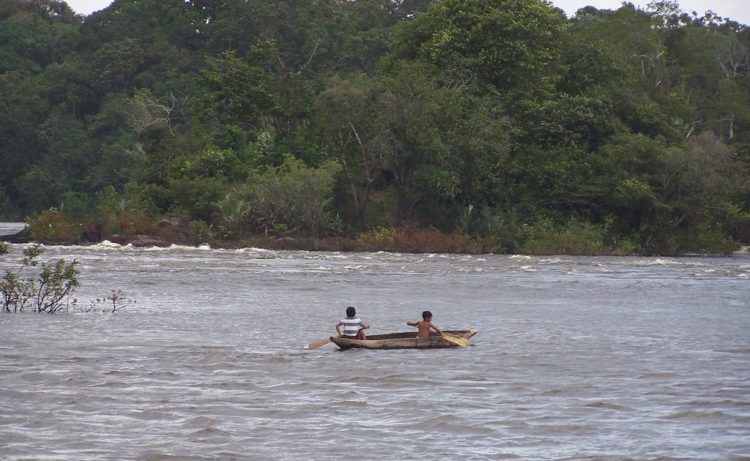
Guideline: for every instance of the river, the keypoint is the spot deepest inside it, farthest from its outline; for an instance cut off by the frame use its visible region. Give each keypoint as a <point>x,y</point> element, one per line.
<point>599,358</point>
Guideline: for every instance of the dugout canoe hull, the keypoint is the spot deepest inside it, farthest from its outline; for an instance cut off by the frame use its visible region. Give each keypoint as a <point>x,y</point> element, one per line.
<point>407,340</point>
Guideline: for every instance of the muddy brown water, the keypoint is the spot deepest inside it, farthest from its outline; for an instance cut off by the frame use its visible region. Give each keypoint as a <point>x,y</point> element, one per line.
<point>576,358</point>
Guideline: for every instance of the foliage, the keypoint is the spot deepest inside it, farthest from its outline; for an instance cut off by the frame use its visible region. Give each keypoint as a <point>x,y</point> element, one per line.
<point>199,232</point>
<point>47,292</point>
<point>575,238</point>
<point>55,226</point>
<point>55,284</point>
<point>413,239</point>
<point>622,131</point>
<point>377,238</point>
<point>293,195</point>
<point>509,44</point>
<point>114,302</point>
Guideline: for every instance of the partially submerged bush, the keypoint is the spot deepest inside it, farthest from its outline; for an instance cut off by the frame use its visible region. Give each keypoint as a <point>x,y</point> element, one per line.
<point>49,291</point>
<point>113,302</point>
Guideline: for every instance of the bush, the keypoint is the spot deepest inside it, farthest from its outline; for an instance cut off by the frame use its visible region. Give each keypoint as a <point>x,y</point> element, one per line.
<point>48,292</point>
<point>375,239</point>
<point>497,231</point>
<point>575,238</point>
<point>125,215</point>
<point>197,198</point>
<point>115,301</point>
<point>412,239</point>
<point>199,232</point>
<point>708,239</point>
<point>135,223</point>
<point>54,226</point>
<point>624,246</point>
<point>233,214</point>
<point>295,196</point>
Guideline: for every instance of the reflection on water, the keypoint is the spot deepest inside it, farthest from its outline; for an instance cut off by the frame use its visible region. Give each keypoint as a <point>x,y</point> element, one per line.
<point>576,358</point>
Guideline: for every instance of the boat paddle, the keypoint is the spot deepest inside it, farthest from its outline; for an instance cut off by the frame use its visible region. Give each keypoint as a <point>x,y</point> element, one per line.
<point>322,342</point>
<point>457,340</point>
<point>318,344</point>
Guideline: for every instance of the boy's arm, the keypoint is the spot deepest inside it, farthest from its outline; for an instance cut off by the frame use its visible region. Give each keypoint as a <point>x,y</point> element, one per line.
<point>338,327</point>
<point>437,330</point>
<point>413,324</point>
<point>363,326</point>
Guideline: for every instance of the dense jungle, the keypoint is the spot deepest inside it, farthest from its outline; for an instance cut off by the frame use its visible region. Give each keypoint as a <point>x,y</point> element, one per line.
<point>414,125</point>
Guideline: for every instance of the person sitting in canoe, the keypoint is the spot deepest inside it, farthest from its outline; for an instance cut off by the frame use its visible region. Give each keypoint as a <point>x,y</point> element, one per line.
<point>425,325</point>
<point>353,326</point>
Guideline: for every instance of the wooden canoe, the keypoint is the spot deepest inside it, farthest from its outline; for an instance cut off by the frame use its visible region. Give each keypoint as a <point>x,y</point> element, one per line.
<point>401,341</point>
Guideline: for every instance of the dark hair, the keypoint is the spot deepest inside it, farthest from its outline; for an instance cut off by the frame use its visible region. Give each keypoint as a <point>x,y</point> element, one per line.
<point>426,315</point>
<point>351,312</point>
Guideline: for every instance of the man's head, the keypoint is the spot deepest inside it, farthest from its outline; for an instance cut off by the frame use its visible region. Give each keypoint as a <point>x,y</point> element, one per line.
<point>351,311</point>
<point>427,315</point>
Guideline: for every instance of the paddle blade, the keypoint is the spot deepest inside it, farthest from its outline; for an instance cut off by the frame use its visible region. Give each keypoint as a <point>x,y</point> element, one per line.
<point>457,340</point>
<point>318,344</point>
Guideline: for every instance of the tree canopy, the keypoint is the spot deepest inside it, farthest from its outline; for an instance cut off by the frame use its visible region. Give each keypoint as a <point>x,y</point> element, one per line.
<point>499,119</point>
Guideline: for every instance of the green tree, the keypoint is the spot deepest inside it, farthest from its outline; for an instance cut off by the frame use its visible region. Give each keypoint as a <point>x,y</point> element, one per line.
<point>512,45</point>
<point>294,195</point>
<point>434,145</point>
<point>239,96</point>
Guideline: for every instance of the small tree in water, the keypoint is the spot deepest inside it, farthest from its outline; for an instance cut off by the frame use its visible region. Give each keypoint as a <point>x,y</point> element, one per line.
<point>49,291</point>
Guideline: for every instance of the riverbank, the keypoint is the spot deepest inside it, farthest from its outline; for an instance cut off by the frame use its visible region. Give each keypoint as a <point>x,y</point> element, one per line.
<point>539,236</point>
<point>399,240</point>
<point>542,237</point>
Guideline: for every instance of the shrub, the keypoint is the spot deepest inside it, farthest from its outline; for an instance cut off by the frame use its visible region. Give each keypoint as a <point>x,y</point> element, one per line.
<point>375,239</point>
<point>118,214</point>
<point>624,246</point>
<point>497,231</point>
<point>54,226</point>
<point>135,223</point>
<point>197,198</point>
<point>413,239</point>
<point>295,196</point>
<point>113,302</point>
<point>48,292</point>
<point>199,232</point>
<point>707,239</point>
<point>56,283</point>
<point>575,238</point>
<point>233,214</point>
